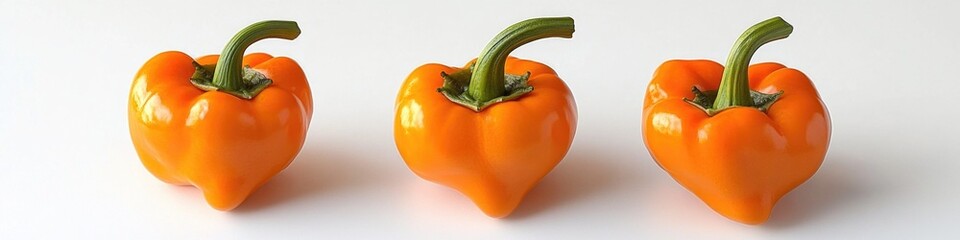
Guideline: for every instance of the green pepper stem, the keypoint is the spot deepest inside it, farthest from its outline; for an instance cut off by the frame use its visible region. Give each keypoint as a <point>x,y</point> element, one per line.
<point>229,70</point>
<point>734,86</point>
<point>487,79</point>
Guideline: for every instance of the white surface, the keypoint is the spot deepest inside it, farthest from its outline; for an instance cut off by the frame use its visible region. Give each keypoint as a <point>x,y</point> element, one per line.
<point>886,69</point>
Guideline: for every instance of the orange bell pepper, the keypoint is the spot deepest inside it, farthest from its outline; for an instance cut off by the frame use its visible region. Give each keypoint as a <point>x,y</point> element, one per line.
<point>223,128</point>
<point>743,137</point>
<point>496,126</point>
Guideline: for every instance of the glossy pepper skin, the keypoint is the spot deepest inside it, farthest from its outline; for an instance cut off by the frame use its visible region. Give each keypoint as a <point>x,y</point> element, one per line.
<point>741,160</point>
<point>224,145</point>
<point>495,154</point>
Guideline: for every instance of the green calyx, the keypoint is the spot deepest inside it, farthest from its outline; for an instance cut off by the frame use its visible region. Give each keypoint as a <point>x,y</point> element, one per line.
<point>485,83</point>
<point>735,86</point>
<point>253,82</point>
<point>229,75</point>
<point>705,99</point>
<point>456,86</point>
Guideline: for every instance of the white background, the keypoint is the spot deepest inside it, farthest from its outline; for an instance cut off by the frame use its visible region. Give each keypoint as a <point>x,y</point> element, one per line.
<point>887,70</point>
